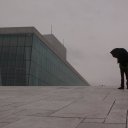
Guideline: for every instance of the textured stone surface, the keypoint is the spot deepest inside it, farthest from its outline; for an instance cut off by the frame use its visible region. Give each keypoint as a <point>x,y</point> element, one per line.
<point>97,125</point>
<point>45,122</point>
<point>94,120</point>
<point>63,107</point>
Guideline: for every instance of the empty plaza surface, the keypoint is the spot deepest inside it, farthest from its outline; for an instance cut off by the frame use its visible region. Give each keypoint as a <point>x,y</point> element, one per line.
<point>63,107</point>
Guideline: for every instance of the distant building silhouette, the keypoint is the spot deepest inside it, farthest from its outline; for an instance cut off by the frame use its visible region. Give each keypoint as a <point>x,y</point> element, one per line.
<point>30,59</point>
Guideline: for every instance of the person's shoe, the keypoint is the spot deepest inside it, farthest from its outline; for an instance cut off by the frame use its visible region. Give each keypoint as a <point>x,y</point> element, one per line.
<point>127,84</point>
<point>121,88</point>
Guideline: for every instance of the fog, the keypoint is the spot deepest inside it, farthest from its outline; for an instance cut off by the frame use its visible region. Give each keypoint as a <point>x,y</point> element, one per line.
<point>89,29</point>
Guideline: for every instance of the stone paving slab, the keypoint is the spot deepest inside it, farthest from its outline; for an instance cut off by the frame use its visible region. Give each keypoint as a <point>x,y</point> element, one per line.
<point>94,120</point>
<point>116,116</point>
<point>45,122</point>
<point>85,109</point>
<point>3,124</point>
<point>97,125</point>
<point>63,107</point>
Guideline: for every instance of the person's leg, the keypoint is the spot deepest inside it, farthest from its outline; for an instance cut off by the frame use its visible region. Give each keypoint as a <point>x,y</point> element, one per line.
<point>126,73</point>
<point>127,81</point>
<point>122,78</point>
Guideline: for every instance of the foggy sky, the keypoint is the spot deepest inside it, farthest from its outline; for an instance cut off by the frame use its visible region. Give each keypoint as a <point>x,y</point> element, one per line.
<point>90,29</point>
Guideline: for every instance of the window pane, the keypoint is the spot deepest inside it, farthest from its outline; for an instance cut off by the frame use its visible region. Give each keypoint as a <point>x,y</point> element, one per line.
<point>21,40</point>
<point>28,67</point>
<point>28,40</point>
<point>28,53</point>
<point>1,40</point>
<point>13,40</point>
<point>12,53</point>
<point>6,40</point>
<point>20,53</point>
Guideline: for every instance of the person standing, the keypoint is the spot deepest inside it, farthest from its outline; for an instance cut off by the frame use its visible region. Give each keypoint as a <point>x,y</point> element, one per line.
<point>122,58</point>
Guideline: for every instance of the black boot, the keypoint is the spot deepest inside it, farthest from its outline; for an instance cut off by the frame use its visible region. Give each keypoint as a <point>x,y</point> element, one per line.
<point>121,87</point>
<point>122,83</point>
<point>127,84</point>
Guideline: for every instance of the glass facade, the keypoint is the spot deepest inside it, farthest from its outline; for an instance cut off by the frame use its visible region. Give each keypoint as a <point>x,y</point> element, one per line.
<point>15,58</point>
<point>26,60</point>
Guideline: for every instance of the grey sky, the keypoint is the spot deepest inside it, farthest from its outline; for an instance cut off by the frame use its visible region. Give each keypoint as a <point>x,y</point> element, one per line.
<point>90,28</point>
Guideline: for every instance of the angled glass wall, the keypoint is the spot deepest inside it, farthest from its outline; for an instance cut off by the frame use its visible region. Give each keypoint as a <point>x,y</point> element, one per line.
<point>49,69</point>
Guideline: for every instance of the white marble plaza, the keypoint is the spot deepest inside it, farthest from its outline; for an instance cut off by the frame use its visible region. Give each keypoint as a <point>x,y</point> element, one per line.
<point>63,107</point>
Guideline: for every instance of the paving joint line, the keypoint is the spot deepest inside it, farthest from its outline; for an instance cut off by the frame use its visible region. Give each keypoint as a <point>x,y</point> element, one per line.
<point>82,120</point>
<point>107,95</point>
<point>126,119</point>
<point>109,110</point>
<point>65,106</point>
<point>111,107</point>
